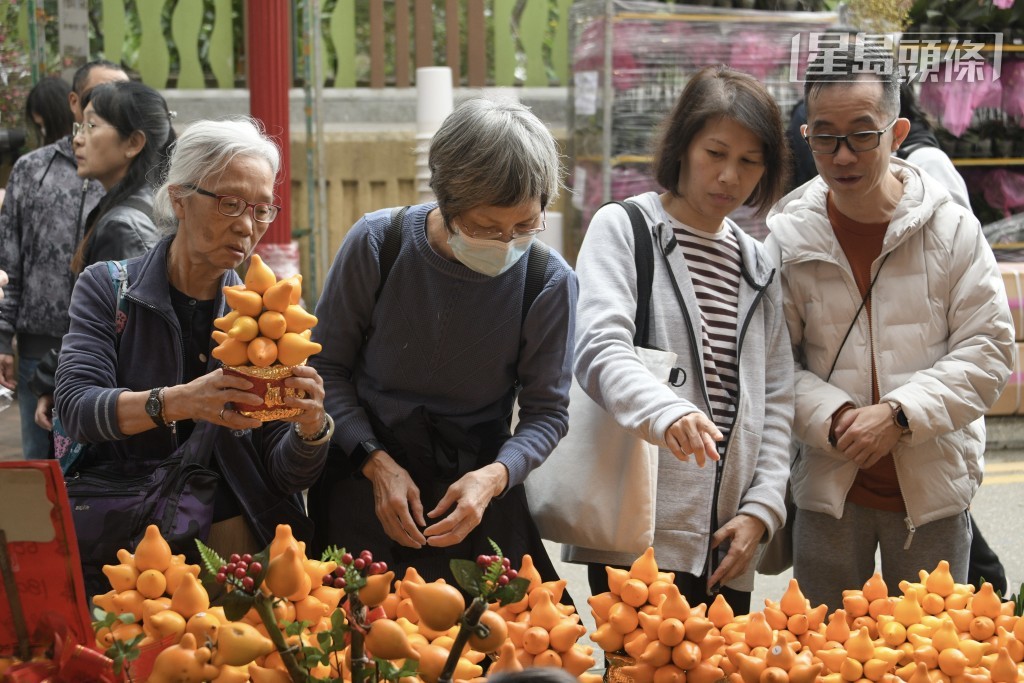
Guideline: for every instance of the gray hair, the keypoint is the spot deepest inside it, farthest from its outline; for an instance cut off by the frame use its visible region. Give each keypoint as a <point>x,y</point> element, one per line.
<point>855,63</point>
<point>492,153</point>
<point>204,150</point>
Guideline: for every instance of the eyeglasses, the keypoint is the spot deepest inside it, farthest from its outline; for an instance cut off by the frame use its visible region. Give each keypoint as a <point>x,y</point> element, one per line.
<point>232,206</point>
<point>496,234</point>
<point>86,128</point>
<point>864,141</point>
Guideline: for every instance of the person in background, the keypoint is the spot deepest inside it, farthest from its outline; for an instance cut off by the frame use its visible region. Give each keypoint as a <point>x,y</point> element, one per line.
<point>141,389</point>
<point>123,143</point>
<point>3,283</point>
<point>47,110</point>
<point>422,368</point>
<point>40,226</point>
<point>716,299</point>
<point>890,397</point>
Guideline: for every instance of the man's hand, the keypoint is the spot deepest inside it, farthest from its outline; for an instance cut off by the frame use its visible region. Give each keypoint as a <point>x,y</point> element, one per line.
<point>866,434</point>
<point>743,533</point>
<point>470,495</point>
<point>693,434</point>
<point>396,500</point>
<point>7,376</point>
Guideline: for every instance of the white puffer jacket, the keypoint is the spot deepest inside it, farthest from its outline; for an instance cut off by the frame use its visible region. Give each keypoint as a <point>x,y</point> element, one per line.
<point>943,339</point>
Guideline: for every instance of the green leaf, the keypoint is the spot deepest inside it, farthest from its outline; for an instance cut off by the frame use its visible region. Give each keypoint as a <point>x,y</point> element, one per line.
<point>409,668</point>
<point>468,575</point>
<point>211,560</point>
<point>126,618</point>
<point>513,592</point>
<point>338,622</point>
<point>324,639</point>
<point>332,554</point>
<point>294,628</point>
<point>106,622</point>
<point>237,603</point>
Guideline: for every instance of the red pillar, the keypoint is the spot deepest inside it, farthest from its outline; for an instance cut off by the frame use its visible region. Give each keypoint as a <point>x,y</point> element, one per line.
<point>269,54</point>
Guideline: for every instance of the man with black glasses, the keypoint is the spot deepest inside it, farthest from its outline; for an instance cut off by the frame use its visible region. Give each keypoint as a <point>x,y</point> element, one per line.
<point>902,338</point>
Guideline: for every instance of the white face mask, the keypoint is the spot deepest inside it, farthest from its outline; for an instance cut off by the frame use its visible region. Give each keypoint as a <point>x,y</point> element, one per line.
<point>488,257</point>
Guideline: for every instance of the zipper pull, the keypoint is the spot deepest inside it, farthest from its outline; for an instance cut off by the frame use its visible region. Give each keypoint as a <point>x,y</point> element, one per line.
<point>910,536</point>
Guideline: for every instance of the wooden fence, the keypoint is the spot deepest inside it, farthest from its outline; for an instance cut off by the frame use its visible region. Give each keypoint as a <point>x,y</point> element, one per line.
<point>197,44</point>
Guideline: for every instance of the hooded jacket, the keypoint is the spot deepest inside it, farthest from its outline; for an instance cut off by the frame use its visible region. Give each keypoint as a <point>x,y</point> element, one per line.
<point>751,477</point>
<point>40,227</point>
<point>941,331</point>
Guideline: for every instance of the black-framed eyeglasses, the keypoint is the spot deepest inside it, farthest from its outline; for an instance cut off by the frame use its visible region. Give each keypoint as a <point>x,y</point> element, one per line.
<point>232,206</point>
<point>496,234</point>
<point>864,141</point>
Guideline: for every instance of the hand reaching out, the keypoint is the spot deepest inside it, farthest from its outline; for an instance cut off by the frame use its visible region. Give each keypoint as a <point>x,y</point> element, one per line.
<point>694,434</point>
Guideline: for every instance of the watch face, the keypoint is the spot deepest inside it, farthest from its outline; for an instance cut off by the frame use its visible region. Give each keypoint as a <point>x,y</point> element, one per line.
<point>153,405</point>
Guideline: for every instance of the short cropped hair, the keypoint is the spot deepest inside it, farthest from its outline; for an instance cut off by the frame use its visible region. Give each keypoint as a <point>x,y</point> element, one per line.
<point>204,150</point>
<point>81,76</point>
<point>855,63</point>
<point>492,153</point>
<point>718,92</point>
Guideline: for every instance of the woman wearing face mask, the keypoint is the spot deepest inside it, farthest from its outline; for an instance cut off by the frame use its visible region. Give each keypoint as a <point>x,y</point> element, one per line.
<point>429,338</point>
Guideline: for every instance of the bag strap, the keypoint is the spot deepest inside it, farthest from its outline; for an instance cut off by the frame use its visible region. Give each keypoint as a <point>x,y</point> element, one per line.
<point>856,315</point>
<point>119,277</point>
<point>391,246</point>
<point>536,267</point>
<point>644,257</point>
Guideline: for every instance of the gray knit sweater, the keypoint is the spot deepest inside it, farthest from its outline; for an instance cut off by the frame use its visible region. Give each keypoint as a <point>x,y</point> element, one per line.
<point>446,338</point>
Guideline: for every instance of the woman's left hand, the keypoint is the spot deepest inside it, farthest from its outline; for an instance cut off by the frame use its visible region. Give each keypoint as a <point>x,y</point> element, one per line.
<point>743,533</point>
<point>311,419</point>
<point>470,495</point>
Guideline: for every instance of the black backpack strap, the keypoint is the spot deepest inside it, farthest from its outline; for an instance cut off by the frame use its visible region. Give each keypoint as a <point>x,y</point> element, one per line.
<point>391,246</point>
<point>536,266</point>
<point>644,255</point>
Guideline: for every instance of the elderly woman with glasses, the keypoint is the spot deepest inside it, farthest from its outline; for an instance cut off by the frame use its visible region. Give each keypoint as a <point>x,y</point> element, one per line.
<point>434,320</point>
<point>136,380</point>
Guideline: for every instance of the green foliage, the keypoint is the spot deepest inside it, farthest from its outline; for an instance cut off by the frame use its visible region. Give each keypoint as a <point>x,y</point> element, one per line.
<point>483,583</point>
<point>387,671</point>
<point>212,562</point>
<point>121,652</point>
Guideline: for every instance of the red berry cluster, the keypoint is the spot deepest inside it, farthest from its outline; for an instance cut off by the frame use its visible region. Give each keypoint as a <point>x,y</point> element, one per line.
<point>363,563</point>
<point>241,570</point>
<point>485,562</point>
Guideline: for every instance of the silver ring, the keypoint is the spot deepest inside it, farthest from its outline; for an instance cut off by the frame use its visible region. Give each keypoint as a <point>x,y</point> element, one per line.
<point>221,414</point>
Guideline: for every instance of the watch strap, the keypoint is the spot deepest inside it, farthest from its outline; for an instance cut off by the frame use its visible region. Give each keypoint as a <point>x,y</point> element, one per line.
<point>155,406</point>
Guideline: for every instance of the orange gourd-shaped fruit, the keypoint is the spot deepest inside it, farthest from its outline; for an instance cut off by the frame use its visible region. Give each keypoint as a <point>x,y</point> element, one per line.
<point>720,612</point>
<point>674,605</point>
<point>244,301</point>
<point>431,662</point>
<point>225,323</point>
<point>669,674</point>
<point>633,592</point>
<point>535,640</point>
<point>656,654</point>
<point>387,640</point>
<point>859,645</point>
<point>231,352</point>
<point>122,577</point>
<point>438,604</point>
<point>1003,669</point>
<point>952,661</point>
<point>639,673</point>
<point>875,588</point>
<point>758,633</point>
<point>600,604</point>
<point>239,643</point>
<point>749,667</point>
<point>263,674</point>
<point>298,319</point>
<point>507,661</point>
<point>166,623</point>
<point>576,660</point>
<point>616,577</point>
<point>261,352</point>
<point>780,654</point>
<point>176,572</point>
<point>804,673</point>
<point>183,663</point>
<point>190,598</point>
<point>645,568</point>
<point>671,631</point>
<point>793,600</point>
<point>564,636</point>
<point>376,589</point>
<point>945,636</point>
<point>623,618</point>
<point>545,614</point>
<point>283,539</point>
<point>608,638</point>
<point>151,584</point>
<point>245,329</point>
<point>294,350</point>
<point>697,628</point>
<point>529,572</point>
<point>498,633</point>
<point>774,674</point>
<point>285,573</point>
<point>219,337</point>
<point>838,629</point>
<point>278,297</point>
<point>649,623</point>
<point>296,281</point>
<point>259,278</point>
<point>985,602</point>
<point>907,609</point>
<point>204,626</point>
<point>272,325</point>
<point>153,552</point>
<point>940,581</point>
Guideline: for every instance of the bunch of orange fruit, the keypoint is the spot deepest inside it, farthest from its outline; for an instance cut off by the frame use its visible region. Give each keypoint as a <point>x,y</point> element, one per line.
<point>266,324</point>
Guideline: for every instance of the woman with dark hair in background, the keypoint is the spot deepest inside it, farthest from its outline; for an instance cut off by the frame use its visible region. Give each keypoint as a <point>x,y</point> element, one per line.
<point>46,109</point>
<point>122,142</point>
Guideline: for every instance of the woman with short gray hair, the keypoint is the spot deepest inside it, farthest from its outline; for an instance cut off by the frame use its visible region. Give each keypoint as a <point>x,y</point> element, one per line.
<point>434,319</point>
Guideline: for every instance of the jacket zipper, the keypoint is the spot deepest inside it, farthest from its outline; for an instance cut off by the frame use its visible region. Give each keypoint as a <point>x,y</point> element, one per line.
<point>181,345</point>
<point>694,342</point>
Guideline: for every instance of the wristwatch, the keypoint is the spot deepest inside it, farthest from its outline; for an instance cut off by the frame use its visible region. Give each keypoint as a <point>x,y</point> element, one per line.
<point>899,417</point>
<point>155,406</point>
<point>362,452</point>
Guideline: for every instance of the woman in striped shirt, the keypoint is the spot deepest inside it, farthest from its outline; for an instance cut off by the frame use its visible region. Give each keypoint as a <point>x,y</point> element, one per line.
<point>716,303</point>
